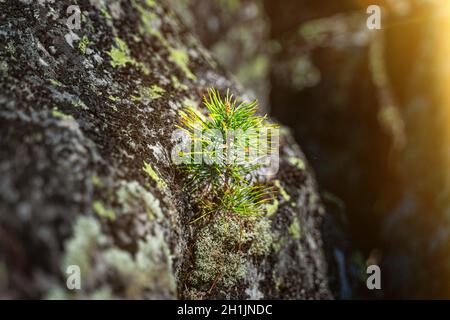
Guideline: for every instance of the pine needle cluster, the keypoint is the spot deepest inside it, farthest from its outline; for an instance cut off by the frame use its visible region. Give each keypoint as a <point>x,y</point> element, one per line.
<point>226,146</point>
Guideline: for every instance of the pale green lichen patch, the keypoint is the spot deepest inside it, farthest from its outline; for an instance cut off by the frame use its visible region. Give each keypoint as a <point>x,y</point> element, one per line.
<point>215,256</point>
<point>79,249</point>
<point>132,196</point>
<point>299,163</point>
<point>120,260</point>
<point>10,48</point>
<point>113,98</point>
<point>55,82</point>
<point>271,208</point>
<point>3,68</point>
<point>102,211</point>
<point>152,93</point>
<point>150,24</point>
<point>106,14</point>
<point>82,45</point>
<point>177,84</point>
<point>155,92</point>
<point>283,192</point>
<point>120,56</point>
<point>160,183</point>
<point>278,243</point>
<point>78,103</point>
<point>295,229</point>
<point>181,59</point>
<point>150,268</point>
<point>97,182</point>
<point>261,237</point>
<point>60,115</point>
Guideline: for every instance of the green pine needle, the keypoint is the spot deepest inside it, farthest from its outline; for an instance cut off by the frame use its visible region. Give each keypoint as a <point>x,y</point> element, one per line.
<point>219,172</point>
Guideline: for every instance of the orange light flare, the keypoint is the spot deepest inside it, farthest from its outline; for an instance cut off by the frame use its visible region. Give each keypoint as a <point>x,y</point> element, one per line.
<point>442,67</point>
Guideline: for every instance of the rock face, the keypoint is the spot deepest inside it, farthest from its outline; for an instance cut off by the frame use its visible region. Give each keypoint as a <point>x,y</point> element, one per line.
<point>87,114</point>
<point>237,33</point>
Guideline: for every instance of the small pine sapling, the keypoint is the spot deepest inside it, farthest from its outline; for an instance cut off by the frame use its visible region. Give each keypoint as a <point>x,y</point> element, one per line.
<point>226,147</point>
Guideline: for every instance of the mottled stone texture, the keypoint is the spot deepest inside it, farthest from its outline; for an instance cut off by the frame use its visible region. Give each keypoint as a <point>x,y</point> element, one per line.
<point>86,176</point>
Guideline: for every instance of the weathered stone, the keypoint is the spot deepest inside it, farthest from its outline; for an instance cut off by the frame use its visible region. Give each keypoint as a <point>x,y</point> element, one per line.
<point>82,119</point>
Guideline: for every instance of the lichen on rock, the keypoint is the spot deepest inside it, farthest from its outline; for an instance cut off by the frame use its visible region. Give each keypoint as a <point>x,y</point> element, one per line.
<point>222,248</point>
<point>131,196</point>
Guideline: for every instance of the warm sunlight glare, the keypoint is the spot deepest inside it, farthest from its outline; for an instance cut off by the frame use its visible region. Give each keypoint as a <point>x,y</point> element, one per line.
<point>442,66</point>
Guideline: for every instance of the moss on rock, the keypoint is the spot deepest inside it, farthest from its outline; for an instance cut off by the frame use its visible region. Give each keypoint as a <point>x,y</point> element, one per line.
<point>223,247</point>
